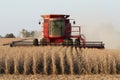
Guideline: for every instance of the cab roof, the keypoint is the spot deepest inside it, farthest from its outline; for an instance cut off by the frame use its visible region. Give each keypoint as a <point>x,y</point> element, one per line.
<point>54,16</point>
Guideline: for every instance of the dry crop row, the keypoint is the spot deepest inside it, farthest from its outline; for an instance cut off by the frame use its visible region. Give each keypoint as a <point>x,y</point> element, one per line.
<point>58,60</point>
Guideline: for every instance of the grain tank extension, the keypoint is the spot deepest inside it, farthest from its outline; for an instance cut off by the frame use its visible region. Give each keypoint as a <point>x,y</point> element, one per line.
<point>57,29</point>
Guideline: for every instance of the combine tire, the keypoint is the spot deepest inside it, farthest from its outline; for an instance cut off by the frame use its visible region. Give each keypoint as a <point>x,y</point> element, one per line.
<point>35,42</point>
<point>68,42</point>
<point>43,41</point>
<point>11,45</point>
<point>77,42</point>
<point>65,43</point>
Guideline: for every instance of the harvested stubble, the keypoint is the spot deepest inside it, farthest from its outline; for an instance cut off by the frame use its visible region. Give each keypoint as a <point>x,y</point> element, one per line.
<point>58,60</point>
<point>59,77</point>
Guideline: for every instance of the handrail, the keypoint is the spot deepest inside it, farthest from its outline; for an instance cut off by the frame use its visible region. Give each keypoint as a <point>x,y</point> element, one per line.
<point>78,30</point>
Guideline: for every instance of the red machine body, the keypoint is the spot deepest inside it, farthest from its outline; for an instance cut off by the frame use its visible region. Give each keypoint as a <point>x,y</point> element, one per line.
<point>62,26</point>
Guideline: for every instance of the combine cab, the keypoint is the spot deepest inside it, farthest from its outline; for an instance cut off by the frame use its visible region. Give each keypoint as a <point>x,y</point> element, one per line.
<point>57,30</point>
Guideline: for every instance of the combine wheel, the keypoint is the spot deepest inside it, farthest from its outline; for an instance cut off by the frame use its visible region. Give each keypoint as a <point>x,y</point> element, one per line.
<point>65,42</point>
<point>43,41</point>
<point>12,44</point>
<point>35,42</point>
<point>70,42</point>
<point>77,41</point>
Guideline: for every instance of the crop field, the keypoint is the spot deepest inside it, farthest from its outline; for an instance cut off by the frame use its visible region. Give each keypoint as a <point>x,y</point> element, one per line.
<point>7,40</point>
<point>58,62</point>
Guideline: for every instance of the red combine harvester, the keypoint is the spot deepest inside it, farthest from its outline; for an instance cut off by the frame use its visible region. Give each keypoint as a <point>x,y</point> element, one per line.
<point>57,30</point>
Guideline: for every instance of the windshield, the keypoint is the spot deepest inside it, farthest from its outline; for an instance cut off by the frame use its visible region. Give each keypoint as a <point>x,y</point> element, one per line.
<point>57,27</point>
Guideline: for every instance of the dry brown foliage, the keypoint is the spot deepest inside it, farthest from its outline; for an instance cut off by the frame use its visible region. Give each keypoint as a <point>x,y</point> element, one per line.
<point>58,60</point>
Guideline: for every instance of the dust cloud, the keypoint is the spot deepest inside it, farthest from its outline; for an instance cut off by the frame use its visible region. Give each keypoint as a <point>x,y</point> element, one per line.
<point>103,32</point>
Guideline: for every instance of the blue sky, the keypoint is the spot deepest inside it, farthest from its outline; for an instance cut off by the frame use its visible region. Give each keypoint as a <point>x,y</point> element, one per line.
<point>18,14</point>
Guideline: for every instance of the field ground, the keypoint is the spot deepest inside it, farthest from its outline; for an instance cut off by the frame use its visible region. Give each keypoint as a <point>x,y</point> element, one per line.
<point>59,77</point>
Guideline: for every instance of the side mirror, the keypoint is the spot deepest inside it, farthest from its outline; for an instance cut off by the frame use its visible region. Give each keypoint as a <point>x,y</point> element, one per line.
<point>73,22</point>
<point>39,23</point>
